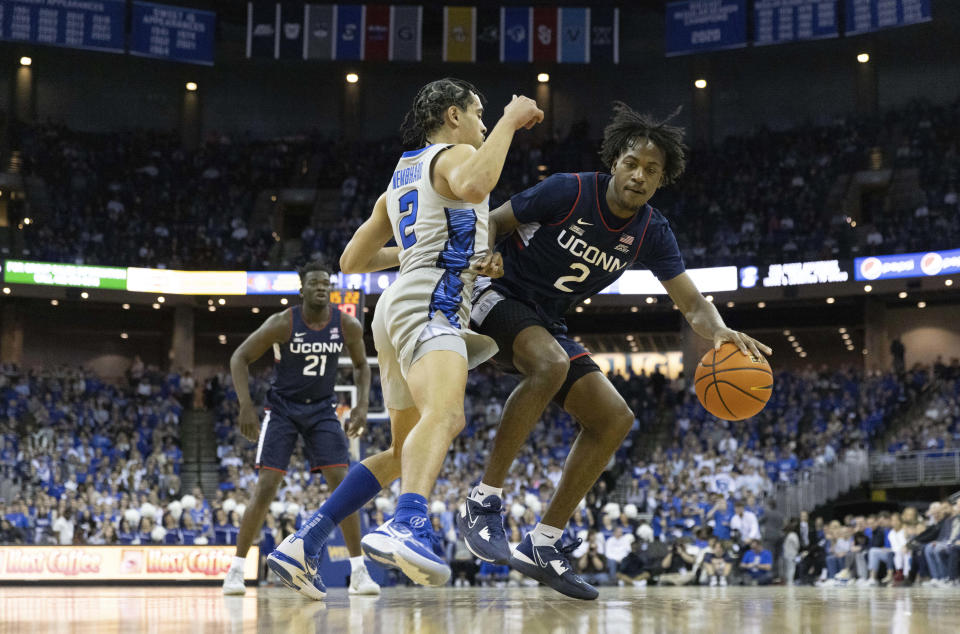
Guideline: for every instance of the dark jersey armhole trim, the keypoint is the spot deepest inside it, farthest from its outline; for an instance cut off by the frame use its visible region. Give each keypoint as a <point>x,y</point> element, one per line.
<point>564,219</point>
<point>290,336</point>
<point>642,235</point>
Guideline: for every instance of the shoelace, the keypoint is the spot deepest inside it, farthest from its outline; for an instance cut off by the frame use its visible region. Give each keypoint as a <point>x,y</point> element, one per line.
<point>569,548</point>
<point>496,527</point>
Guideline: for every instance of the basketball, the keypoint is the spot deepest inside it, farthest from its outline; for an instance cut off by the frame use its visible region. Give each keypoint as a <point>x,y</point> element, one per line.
<point>731,386</point>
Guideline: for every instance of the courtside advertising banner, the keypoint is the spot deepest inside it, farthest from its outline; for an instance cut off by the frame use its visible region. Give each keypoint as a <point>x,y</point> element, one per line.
<point>121,563</point>
<point>888,267</point>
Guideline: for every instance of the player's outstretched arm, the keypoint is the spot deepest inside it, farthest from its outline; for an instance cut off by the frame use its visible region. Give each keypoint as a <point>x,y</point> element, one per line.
<point>704,318</point>
<point>276,329</point>
<point>353,335</point>
<point>502,222</point>
<point>365,252</point>
<point>471,174</point>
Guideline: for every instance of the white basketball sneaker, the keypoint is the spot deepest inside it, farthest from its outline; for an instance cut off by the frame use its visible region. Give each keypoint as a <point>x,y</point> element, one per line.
<point>234,584</point>
<point>361,583</point>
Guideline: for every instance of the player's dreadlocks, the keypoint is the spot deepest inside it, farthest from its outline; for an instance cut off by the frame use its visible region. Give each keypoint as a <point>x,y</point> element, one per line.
<point>628,126</point>
<point>309,267</point>
<point>429,106</point>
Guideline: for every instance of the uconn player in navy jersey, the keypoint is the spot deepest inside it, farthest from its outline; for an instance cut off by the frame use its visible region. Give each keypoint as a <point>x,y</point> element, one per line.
<point>307,341</point>
<point>435,208</point>
<point>569,237</point>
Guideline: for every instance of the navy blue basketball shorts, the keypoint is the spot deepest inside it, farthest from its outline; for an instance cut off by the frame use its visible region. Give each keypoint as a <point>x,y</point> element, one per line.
<point>502,318</point>
<point>323,437</point>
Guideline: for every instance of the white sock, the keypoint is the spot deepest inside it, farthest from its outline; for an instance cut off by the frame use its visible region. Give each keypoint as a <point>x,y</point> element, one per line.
<point>544,535</point>
<point>356,564</point>
<point>481,491</point>
<point>238,563</point>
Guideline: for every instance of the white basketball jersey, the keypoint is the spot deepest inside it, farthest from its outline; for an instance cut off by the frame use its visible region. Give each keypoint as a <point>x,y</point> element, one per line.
<point>433,231</point>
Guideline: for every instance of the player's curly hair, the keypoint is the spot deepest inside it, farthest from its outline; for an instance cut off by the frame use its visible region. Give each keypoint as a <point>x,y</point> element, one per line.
<point>309,267</point>
<point>431,102</point>
<point>629,125</point>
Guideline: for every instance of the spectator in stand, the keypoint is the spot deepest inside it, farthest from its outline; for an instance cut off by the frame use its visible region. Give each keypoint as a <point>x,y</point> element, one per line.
<point>757,565</point>
<point>791,550</point>
<point>745,523</point>
<point>618,546</point>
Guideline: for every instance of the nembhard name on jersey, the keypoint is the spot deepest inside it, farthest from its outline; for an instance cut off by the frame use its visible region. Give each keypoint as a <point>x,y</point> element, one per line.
<point>589,253</point>
<point>407,175</point>
<point>317,347</point>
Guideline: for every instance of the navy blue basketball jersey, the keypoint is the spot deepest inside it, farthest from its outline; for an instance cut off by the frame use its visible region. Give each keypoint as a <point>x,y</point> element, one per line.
<point>569,245</point>
<point>305,368</point>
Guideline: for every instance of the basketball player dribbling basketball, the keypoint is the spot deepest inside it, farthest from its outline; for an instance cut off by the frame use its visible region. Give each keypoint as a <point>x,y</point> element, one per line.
<point>571,236</point>
<point>307,341</point>
<point>436,208</point>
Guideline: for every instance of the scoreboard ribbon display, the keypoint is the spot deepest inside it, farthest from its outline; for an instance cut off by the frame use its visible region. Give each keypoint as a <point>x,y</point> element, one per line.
<point>695,26</point>
<point>174,33</point>
<point>95,25</point>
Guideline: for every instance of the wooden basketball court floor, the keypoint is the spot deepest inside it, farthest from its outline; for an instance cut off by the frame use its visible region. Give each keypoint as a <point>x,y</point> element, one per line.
<point>740,610</point>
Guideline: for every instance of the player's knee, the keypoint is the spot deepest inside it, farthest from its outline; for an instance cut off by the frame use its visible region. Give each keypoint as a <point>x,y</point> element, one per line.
<point>452,422</point>
<point>619,424</point>
<point>552,371</point>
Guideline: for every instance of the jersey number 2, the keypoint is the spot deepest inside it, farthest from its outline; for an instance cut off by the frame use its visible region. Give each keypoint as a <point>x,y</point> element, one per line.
<point>408,201</point>
<point>562,281</point>
<point>312,362</point>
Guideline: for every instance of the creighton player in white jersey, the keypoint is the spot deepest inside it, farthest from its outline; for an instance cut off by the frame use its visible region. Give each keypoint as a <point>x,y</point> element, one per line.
<point>436,208</point>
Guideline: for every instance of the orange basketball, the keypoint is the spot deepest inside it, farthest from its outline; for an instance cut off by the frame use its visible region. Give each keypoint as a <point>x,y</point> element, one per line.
<point>731,386</point>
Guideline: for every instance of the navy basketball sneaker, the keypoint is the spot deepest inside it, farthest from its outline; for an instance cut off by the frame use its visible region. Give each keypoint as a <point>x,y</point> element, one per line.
<point>481,526</point>
<point>549,565</point>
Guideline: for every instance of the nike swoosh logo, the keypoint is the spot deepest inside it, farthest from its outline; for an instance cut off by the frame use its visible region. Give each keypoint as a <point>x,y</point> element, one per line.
<point>299,334</point>
<point>580,221</point>
<point>538,558</point>
<point>471,521</point>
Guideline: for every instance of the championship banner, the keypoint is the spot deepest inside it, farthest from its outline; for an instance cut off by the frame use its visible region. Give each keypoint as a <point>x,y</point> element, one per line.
<point>864,16</point>
<point>545,34</point>
<point>376,45</point>
<point>406,33</point>
<point>777,21</point>
<point>488,34</point>
<point>291,31</point>
<point>96,26</point>
<point>516,44</point>
<point>459,34</point>
<point>605,35</point>
<point>350,31</point>
<point>319,42</point>
<point>121,563</point>
<point>573,44</point>
<point>695,26</point>
<point>262,21</point>
<point>173,33</point>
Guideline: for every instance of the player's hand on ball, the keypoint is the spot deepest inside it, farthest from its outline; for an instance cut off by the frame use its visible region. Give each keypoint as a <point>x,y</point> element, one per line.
<point>249,422</point>
<point>523,112</point>
<point>491,265</point>
<point>748,345</point>
<point>357,423</point>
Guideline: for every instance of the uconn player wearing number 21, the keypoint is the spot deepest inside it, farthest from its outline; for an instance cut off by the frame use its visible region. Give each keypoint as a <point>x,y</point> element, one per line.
<point>567,238</point>
<point>307,341</point>
<point>436,210</point>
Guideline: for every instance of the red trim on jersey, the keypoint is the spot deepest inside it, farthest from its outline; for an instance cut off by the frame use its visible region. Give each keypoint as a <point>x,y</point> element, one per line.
<point>328,466</point>
<point>596,178</point>
<point>577,356</point>
<point>643,235</point>
<point>263,466</point>
<point>564,219</point>
<point>518,240</point>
